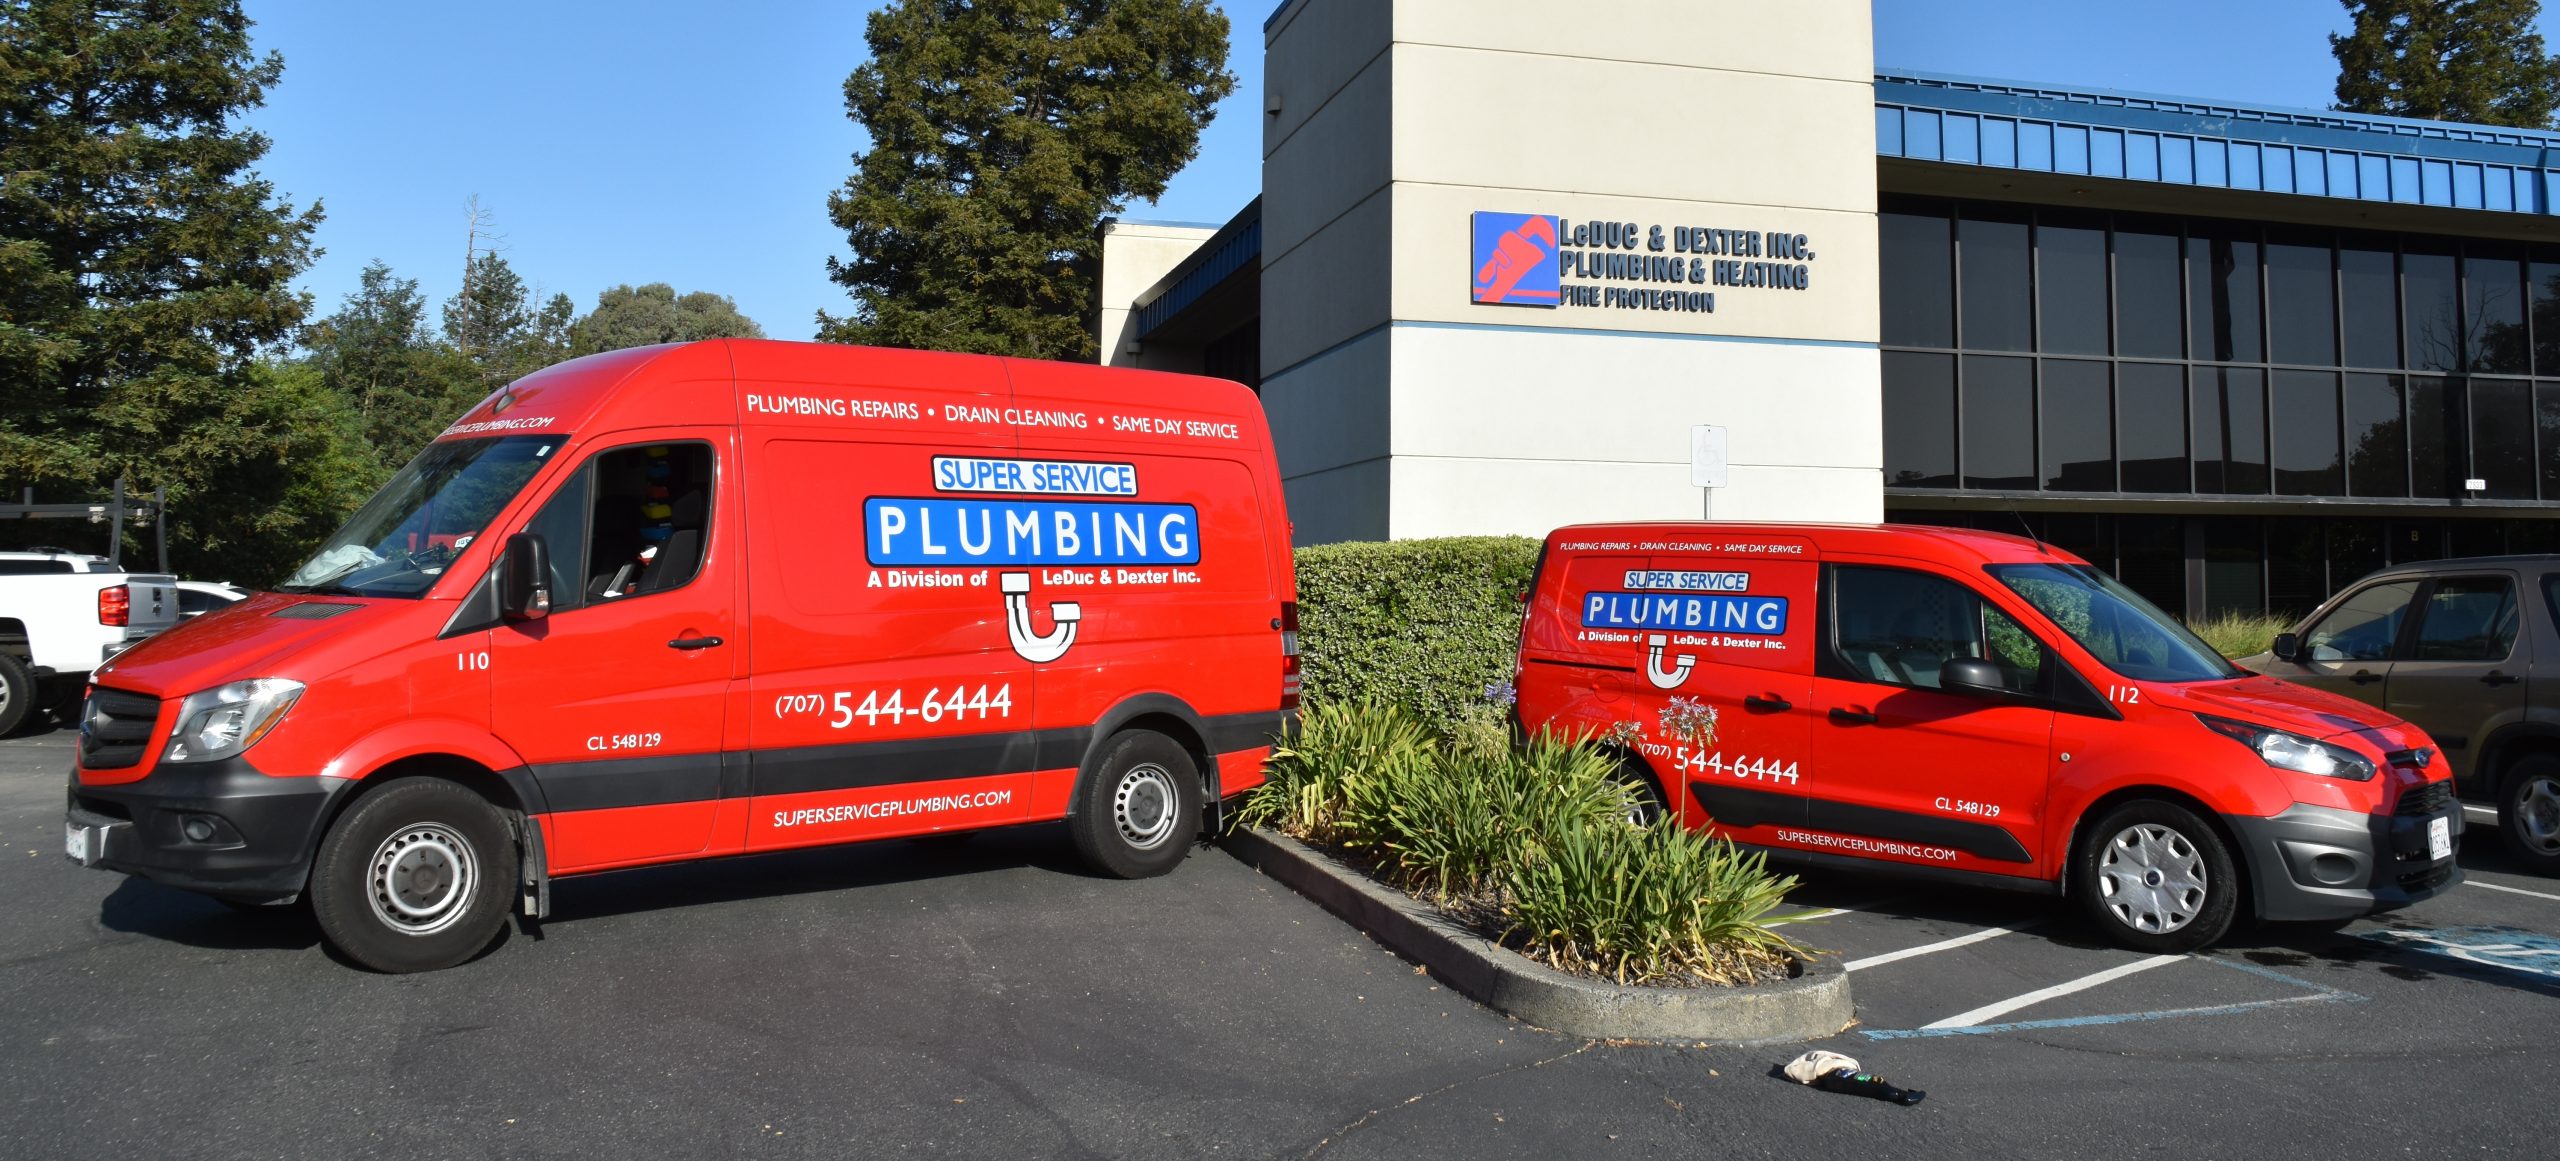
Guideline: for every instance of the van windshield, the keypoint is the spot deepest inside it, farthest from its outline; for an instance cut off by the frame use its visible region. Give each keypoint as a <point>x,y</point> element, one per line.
<point>399,543</point>
<point>2126,633</point>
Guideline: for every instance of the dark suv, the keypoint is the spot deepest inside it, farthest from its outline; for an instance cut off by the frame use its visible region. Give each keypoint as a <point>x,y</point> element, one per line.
<point>2468,650</point>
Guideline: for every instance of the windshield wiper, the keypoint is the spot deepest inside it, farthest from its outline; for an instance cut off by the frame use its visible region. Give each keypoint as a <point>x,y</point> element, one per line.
<point>326,589</point>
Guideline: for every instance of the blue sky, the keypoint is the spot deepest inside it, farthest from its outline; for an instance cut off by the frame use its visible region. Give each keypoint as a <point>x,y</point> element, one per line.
<point>653,141</point>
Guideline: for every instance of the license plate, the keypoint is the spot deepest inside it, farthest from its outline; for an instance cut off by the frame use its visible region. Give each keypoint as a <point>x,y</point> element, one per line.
<point>2440,838</point>
<point>75,842</point>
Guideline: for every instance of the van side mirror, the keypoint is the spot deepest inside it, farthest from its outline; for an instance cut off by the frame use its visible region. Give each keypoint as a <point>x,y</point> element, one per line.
<point>1972,677</point>
<point>524,579</point>
<point>2288,647</point>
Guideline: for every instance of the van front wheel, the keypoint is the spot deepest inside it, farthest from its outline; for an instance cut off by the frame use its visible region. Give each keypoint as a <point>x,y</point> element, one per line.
<point>2157,878</point>
<point>414,877</point>
<point>1138,807</point>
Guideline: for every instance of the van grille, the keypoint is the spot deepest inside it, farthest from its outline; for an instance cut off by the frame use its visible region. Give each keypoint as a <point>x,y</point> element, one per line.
<point>2425,799</point>
<point>116,729</point>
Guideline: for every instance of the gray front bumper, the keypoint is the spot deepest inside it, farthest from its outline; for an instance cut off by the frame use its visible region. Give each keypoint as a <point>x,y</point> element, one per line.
<point>2318,862</point>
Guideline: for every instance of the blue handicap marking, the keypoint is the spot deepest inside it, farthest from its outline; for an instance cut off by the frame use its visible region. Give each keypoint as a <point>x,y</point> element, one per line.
<point>2511,948</point>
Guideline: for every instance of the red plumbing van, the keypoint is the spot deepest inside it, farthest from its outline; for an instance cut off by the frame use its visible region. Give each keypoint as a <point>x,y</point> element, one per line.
<point>1981,709</point>
<point>712,599</point>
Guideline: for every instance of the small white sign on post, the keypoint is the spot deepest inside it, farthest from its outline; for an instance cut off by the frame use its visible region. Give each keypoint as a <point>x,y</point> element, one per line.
<point>1706,457</point>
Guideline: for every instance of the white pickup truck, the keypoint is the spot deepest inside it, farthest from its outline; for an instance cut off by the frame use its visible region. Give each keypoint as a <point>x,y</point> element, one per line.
<point>62,613</point>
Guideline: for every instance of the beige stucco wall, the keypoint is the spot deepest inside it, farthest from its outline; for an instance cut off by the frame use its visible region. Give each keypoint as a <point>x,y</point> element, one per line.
<point>1135,257</point>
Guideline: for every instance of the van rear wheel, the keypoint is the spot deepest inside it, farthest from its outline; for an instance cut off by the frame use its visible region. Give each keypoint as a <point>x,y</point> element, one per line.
<point>1138,807</point>
<point>2157,878</point>
<point>2529,812</point>
<point>1645,803</point>
<point>414,877</point>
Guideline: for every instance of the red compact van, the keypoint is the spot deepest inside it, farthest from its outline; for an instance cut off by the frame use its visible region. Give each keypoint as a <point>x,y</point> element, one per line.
<point>713,599</point>
<point>1980,709</point>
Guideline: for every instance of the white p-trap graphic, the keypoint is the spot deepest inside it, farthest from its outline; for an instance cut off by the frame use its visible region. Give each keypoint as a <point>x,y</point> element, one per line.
<point>1654,645</point>
<point>1033,647</point>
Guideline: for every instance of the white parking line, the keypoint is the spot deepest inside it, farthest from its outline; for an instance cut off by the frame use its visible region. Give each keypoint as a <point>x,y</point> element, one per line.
<point>2477,811</point>
<point>1924,949</point>
<point>1985,1013</point>
<point>2513,890</point>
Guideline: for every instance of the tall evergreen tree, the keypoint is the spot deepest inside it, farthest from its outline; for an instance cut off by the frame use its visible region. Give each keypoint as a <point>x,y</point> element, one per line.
<point>402,385</point>
<point>1002,132</point>
<point>143,263</point>
<point>2449,60</point>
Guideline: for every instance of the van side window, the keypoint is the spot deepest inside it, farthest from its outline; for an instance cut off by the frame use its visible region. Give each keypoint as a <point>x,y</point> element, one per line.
<point>631,522</point>
<point>1894,627</point>
<point>2468,618</point>
<point>2364,627</point>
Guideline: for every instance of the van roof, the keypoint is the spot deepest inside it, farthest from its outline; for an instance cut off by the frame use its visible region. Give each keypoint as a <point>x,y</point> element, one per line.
<point>711,382</point>
<point>1956,545</point>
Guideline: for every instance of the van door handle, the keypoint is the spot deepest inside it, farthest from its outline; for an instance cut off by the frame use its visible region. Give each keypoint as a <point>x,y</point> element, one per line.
<point>694,643</point>
<point>1767,703</point>
<point>2493,677</point>
<point>2365,677</point>
<point>1850,717</point>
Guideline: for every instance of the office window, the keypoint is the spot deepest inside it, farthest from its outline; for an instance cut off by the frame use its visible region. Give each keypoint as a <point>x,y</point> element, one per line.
<point>1999,423</point>
<point>2150,317</point>
<point>2078,437</point>
<point>1919,419</point>
<point>2071,284</point>
<point>1993,254</point>
<point>2430,306</point>
<point>2306,434</point>
<point>2302,308</point>
<point>1919,287</point>
<point>2502,437</point>
<point>2151,422</point>
<point>2493,313</point>
<point>2222,294</point>
<point>2369,283</point>
<point>2227,414</point>
<point>2377,437</point>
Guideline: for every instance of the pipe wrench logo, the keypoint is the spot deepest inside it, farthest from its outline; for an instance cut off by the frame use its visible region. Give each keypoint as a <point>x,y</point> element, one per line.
<point>1037,648</point>
<point>1654,646</point>
<point>1515,259</point>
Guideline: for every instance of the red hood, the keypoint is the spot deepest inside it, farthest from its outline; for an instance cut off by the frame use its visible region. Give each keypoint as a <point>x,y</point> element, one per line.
<point>2299,709</point>
<point>241,641</point>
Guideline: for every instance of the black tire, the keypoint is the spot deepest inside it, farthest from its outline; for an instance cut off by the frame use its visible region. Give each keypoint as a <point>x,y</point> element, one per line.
<point>17,693</point>
<point>2156,878</point>
<point>1137,807</point>
<point>1645,803</point>
<point>2529,812</point>
<point>414,877</point>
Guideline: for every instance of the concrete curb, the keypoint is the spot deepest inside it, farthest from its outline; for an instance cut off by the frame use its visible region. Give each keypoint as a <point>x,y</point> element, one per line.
<point>1810,1006</point>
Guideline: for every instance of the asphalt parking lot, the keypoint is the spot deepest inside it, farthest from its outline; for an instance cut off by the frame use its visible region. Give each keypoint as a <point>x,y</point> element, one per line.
<point>984,998</point>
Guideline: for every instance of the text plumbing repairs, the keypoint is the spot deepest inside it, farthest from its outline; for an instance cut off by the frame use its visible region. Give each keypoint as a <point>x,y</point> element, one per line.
<point>680,602</point>
<point>1976,708</point>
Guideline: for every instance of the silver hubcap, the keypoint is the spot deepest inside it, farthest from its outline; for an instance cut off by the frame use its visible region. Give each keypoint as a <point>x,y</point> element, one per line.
<point>1144,806</point>
<point>1640,812</point>
<point>2538,814</point>
<point>421,878</point>
<point>2152,878</point>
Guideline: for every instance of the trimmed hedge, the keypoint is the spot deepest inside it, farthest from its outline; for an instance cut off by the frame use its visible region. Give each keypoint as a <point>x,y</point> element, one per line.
<point>1421,624</point>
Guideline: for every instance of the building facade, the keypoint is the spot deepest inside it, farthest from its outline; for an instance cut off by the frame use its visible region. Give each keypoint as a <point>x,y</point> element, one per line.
<point>1504,264</point>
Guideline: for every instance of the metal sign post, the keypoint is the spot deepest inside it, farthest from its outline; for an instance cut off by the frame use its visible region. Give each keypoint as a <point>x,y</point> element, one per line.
<point>1707,462</point>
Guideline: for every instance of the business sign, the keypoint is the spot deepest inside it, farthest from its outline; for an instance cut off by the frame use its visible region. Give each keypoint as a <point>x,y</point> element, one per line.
<point>1547,260</point>
<point>1515,259</point>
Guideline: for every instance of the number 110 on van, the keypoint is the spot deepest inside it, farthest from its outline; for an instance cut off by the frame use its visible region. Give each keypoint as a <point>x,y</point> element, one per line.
<point>895,706</point>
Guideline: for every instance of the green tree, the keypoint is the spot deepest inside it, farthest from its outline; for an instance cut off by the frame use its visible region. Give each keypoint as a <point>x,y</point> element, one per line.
<point>401,385</point>
<point>1002,133</point>
<point>144,264</point>
<point>2450,60</point>
<point>636,316</point>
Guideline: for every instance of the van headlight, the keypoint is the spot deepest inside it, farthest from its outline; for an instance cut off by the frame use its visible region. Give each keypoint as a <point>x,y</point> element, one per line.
<point>2293,751</point>
<point>226,720</point>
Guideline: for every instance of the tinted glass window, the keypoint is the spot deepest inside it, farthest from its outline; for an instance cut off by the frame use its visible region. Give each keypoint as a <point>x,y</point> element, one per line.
<point>2543,303</point>
<point>2228,415</point>
<point>2222,298</point>
<point>2369,280</point>
<point>2363,627</point>
<point>2306,434</point>
<point>646,527</point>
<point>2151,558</point>
<point>2502,437</point>
<point>2551,594</point>
<point>2071,285</point>
<point>1893,627</point>
<point>2297,571</point>
<point>2547,408</point>
<point>2377,437</point>
<point>2493,310</point>
<point>2435,415</point>
<point>2078,437</point>
<point>2151,417</point>
<point>2123,631</point>
<point>2301,306</point>
<point>2234,565</point>
<point>1919,420</point>
<point>1999,423</point>
<point>562,525</point>
<point>34,567</point>
<point>2355,549</point>
<point>1919,289</point>
<point>2430,305</point>
<point>2468,619</point>
<point>2150,317</point>
<point>1994,256</point>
